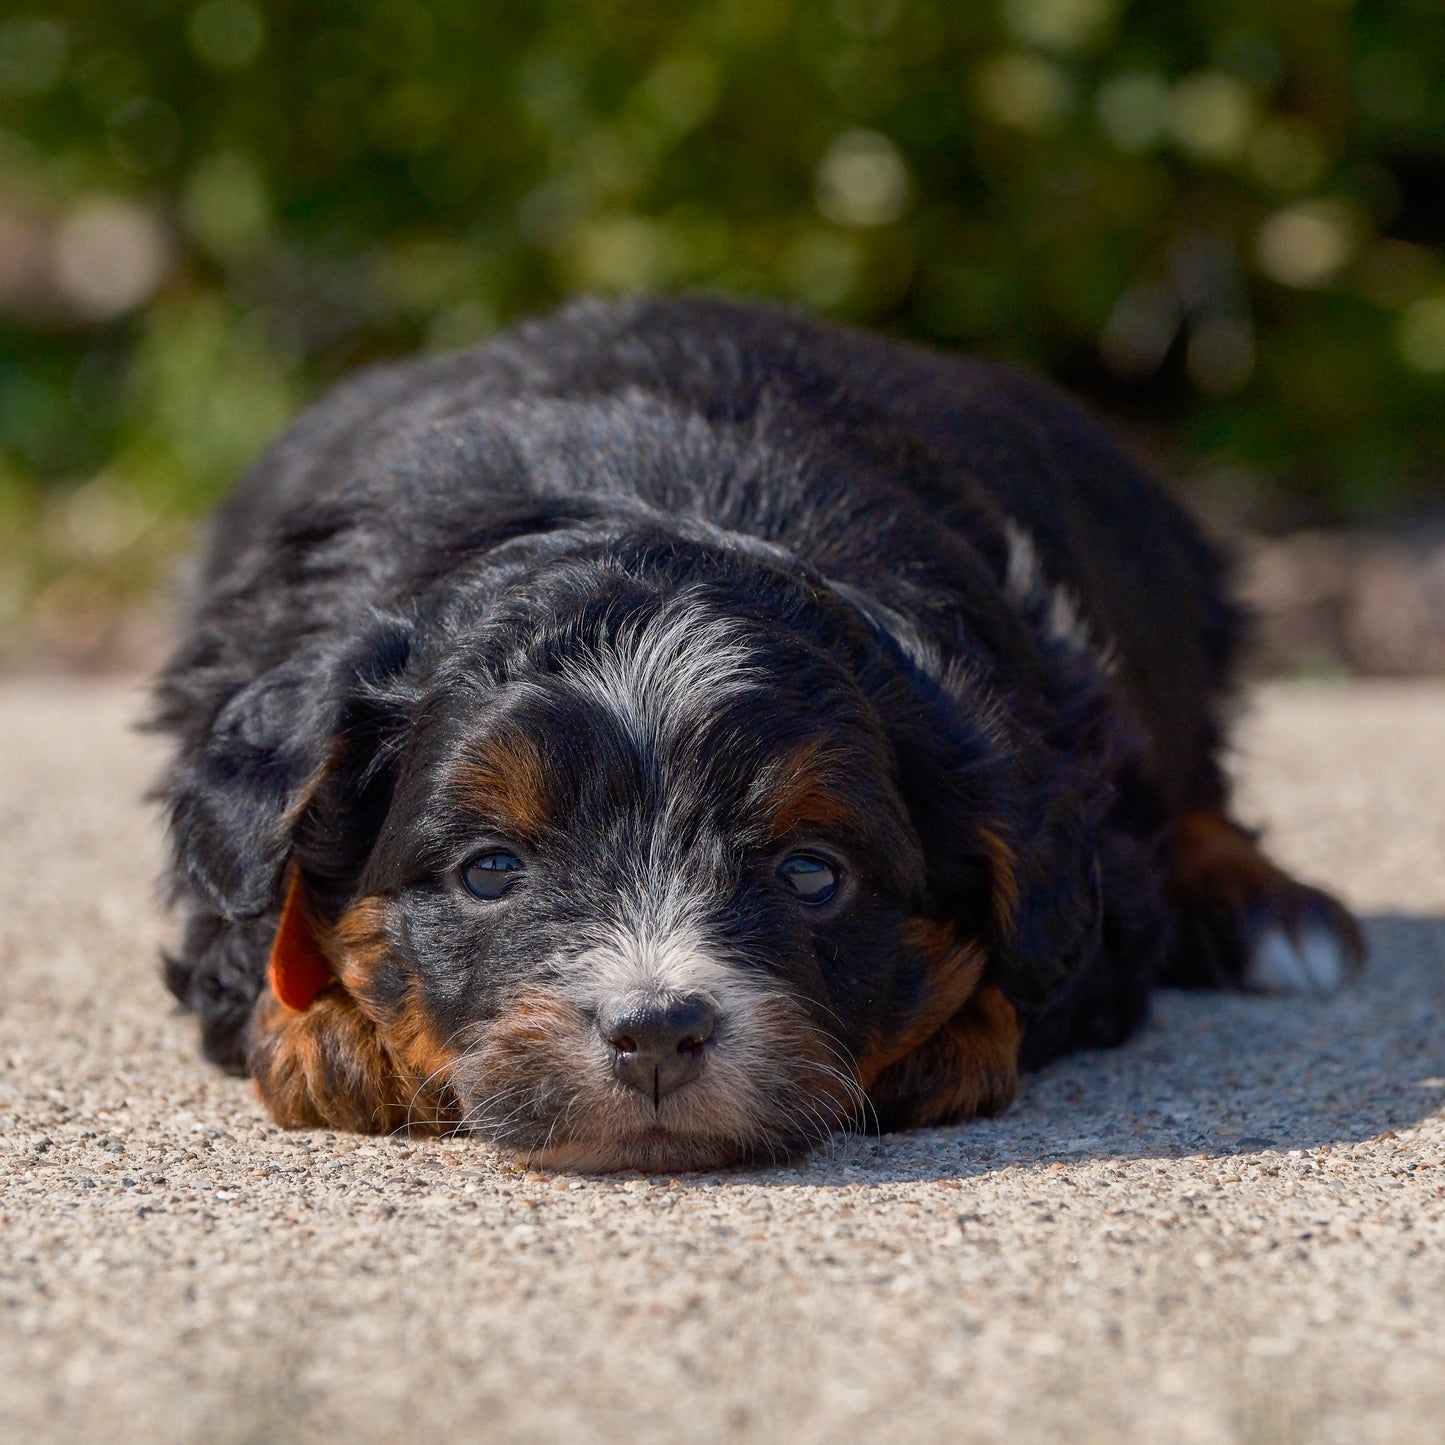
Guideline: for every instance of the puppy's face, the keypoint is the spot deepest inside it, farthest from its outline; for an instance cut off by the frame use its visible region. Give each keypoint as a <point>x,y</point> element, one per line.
<point>648,894</point>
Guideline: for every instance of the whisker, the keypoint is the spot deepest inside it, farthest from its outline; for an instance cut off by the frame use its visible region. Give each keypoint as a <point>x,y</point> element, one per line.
<point>446,1066</point>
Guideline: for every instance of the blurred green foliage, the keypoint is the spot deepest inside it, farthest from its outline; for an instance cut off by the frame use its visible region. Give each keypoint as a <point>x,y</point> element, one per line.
<point>1222,216</point>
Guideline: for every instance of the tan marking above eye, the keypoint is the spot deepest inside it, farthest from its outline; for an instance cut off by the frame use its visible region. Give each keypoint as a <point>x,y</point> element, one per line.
<point>800,793</point>
<point>507,779</point>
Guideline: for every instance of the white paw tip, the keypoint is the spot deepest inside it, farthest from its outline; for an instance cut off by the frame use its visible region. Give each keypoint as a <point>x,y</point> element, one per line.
<point>1314,961</point>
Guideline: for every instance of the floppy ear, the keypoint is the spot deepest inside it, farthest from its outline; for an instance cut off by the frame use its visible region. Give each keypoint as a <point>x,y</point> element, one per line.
<point>1059,822</point>
<point>1018,823</point>
<point>954,752</point>
<point>954,777</point>
<point>239,789</point>
<point>1090,931</point>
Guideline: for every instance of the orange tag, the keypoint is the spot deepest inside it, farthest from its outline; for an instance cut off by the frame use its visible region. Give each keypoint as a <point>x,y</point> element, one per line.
<point>299,970</point>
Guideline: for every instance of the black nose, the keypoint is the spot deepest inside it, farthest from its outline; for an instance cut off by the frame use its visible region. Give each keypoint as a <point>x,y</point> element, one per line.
<point>658,1047</point>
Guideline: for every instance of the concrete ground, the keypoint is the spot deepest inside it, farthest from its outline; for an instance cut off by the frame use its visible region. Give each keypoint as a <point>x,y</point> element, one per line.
<point>1231,1230</point>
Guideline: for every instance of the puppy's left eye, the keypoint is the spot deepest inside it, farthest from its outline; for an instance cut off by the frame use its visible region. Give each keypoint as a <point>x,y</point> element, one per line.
<point>490,875</point>
<point>813,879</point>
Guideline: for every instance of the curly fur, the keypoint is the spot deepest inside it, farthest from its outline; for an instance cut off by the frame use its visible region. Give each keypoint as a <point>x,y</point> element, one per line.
<point>631,585</point>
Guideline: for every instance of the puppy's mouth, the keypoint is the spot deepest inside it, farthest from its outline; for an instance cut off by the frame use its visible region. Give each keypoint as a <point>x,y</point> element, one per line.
<point>652,1151</point>
<point>539,1084</point>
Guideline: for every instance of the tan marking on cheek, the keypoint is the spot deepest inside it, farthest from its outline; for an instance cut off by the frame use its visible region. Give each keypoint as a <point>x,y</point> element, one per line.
<point>968,1067</point>
<point>360,949</point>
<point>533,1042</point>
<point>954,963</point>
<point>1003,878</point>
<point>799,793</point>
<point>358,946</point>
<point>533,1063</point>
<point>954,967</point>
<point>507,779</point>
<point>349,1061</point>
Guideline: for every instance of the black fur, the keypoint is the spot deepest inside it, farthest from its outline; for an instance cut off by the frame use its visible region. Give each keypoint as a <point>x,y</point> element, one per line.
<point>435,535</point>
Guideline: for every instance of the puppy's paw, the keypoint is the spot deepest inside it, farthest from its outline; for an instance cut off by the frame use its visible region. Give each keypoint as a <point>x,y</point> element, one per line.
<point>1245,923</point>
<point>1313,958</point>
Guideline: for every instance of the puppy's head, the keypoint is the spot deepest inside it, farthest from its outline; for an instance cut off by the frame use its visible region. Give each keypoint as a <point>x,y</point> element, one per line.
<point>638,878</point>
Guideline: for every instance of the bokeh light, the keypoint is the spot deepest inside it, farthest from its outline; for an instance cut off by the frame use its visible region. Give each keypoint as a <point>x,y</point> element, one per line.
<point>1140,330</point>
<point>1211,115</point>
<point>862,180</point>
<point>1135,108</point>
<point>1059,24</point>
<point>1027,91</point>
<point>1422,334</point>
<point>1306,245</point>
<point>110,256</point>
<point>33,52</point>
<point>1226,223</point>
<point>227,34</point>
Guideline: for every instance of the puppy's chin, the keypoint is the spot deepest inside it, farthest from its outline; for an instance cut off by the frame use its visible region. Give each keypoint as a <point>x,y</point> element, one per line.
<point>606,1128</point>
<point>657,1151</point>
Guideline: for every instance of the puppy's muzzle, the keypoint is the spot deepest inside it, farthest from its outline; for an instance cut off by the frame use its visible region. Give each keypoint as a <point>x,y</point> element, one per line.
<point>660,1045</point>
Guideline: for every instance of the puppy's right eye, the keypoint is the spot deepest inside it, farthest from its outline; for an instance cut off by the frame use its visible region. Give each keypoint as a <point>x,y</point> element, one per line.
<point>491,874</point>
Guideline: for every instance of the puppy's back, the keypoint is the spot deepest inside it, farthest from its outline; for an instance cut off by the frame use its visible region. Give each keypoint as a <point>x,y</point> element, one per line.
<point>864,458</point>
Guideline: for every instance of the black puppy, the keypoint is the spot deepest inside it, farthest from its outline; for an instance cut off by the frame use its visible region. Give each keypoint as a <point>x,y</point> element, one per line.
<point>677,729</point>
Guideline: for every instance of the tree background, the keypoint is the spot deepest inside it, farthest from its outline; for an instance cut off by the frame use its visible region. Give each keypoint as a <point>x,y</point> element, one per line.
<point>1221,220</point>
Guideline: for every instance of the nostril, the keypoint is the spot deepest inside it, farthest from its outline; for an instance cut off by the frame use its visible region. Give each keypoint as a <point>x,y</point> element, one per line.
<point>689,1024</point>
<point>659,1044</point>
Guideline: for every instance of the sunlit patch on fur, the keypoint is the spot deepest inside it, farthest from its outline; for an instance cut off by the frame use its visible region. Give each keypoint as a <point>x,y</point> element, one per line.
<point>538,1078</point>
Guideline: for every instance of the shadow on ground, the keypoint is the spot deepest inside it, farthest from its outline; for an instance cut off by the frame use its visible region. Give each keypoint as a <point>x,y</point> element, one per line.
<point>1210,1074</point>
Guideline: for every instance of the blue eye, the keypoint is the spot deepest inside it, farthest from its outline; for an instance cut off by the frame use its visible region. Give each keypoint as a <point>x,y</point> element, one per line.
<point>814,880</point>
<point>492,874</point>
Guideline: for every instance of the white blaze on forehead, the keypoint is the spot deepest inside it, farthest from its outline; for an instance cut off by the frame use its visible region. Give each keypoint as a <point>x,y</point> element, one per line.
<point>654,675</point>
<point>637,962</point>
<point>642,959</point>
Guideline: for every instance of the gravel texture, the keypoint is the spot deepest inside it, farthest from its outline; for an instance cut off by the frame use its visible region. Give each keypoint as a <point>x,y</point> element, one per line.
<point>1231,1230</point>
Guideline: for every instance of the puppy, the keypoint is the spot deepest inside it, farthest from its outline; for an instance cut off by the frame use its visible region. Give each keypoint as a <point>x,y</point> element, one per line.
<point>679,729</point>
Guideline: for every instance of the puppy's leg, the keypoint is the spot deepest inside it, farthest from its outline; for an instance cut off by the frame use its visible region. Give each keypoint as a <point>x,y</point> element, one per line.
<point>217,973</point>
<point>1245,923</point>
